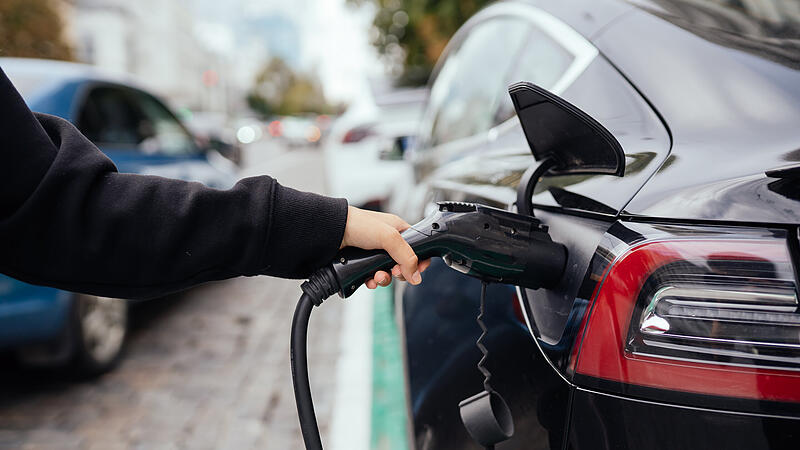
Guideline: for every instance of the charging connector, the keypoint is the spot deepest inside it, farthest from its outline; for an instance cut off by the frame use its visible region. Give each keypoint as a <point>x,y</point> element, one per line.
<point>487,243</point>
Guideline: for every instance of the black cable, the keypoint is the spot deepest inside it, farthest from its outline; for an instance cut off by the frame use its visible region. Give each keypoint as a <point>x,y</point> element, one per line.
<point>319,286</point>
<point>529,180</point>
<point>299,361</point>
<point>484,351</point>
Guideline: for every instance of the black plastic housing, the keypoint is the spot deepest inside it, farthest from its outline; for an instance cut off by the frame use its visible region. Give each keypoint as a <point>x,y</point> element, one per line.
<point>487,418</point>
<point>555,128</point>
<point>484,242</point>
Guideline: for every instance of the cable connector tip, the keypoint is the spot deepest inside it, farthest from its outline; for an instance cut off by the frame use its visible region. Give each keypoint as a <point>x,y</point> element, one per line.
<point>320,285</point>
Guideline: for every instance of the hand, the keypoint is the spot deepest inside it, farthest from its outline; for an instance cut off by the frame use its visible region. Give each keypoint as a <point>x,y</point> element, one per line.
<point>373,230</point>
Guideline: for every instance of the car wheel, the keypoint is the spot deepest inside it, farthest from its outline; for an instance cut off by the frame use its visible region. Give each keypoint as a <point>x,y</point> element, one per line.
<point>100,326</point>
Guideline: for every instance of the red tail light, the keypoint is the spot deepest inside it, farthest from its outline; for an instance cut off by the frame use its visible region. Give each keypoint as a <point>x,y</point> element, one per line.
<point>517,307</point>
<point>357,134</point>
<point>698,314</point>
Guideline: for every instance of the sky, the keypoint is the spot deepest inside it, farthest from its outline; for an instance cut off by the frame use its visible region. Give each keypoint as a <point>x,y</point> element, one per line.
<point>326,36</point>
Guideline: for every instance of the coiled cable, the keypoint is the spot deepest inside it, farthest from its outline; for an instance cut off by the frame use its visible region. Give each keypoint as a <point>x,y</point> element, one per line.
<point>484,351</point>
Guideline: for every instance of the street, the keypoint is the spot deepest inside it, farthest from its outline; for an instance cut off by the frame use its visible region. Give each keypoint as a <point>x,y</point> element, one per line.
<point>208,368</point>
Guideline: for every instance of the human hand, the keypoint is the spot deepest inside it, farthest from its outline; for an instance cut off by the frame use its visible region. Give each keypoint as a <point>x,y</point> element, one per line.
<point>372,230</point>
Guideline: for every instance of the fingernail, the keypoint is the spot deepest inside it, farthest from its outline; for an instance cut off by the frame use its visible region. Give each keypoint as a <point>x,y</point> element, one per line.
<point>416,278</point>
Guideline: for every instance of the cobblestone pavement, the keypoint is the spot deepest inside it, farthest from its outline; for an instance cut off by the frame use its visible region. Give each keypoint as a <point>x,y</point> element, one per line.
<point>205,369</point>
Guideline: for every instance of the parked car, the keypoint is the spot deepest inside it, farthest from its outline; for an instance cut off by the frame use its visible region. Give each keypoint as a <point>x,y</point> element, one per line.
<point>298,131</point>
<point>212,131</point>
<point>365,151</point>
<point>141,135</point>
<point>676,324</point>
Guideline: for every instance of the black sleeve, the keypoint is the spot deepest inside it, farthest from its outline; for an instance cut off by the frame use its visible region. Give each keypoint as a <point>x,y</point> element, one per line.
<point>68,219</point>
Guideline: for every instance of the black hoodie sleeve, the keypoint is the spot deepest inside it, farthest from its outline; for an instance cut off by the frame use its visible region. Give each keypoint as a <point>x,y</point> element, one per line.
<point>69,220</point>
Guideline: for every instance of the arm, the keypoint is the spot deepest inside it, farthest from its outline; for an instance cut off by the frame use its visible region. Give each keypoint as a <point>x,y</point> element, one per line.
<point>68,219</point>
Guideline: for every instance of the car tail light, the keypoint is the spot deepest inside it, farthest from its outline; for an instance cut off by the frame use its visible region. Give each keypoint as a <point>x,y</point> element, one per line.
<point>275,128</point>
<point>518,309</point>
<point>698,314</point>
<point>357,134</point>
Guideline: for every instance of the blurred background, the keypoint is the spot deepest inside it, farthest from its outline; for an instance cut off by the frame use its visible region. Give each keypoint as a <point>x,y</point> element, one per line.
<point>324,95</point>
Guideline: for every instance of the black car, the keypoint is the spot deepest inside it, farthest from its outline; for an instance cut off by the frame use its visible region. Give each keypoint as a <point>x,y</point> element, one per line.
<point>677,196</point>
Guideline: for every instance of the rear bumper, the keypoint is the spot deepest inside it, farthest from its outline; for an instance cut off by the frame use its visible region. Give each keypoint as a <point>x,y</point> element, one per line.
<point>602,421</point>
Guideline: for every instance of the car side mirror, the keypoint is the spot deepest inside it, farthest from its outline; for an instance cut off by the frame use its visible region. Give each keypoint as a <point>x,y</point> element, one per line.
<point>557,130</point>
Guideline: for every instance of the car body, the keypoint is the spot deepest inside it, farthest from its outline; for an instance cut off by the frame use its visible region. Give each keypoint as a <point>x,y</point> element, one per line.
<point>140,135</point>
<point>666,330</point>
<point>364,153</point>
<point>212,129</point>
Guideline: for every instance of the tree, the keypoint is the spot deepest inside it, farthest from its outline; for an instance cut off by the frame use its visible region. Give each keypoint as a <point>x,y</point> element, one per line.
<point>33,29</point>
<point>411,34</point>
<point>279,90</point>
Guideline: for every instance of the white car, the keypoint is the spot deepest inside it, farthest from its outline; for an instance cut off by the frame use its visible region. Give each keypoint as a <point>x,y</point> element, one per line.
<point>298,131</point>
<point>364,151</point>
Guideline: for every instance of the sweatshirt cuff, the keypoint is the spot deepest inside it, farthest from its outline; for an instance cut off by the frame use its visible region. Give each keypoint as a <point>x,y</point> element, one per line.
<point>306,232</point>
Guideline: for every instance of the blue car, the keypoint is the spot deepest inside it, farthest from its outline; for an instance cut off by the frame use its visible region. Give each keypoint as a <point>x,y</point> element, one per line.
<point>46,326</point>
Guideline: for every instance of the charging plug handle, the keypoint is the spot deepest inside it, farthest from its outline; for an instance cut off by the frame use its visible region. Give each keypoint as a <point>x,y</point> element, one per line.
<point>484,242</point>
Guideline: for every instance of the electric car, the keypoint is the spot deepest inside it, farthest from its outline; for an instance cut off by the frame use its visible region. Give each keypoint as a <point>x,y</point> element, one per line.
<point>659,142</point>
<point>50,327</point>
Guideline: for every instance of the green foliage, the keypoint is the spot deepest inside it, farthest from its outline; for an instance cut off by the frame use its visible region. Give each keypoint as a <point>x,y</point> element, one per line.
<point>411,34</point>
<point>32,29</point>
<point>279,90</point>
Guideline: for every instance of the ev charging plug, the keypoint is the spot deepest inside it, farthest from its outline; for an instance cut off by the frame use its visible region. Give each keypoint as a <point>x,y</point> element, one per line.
<point>487,243</point>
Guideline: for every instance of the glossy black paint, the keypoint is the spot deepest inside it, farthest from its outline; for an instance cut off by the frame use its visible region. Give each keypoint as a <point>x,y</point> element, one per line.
<point>703,104</point>
<point>731,100</point>
<point>676,398</point>
<point>587,17</point>
<point>441,358</point>
<point>601,421</point>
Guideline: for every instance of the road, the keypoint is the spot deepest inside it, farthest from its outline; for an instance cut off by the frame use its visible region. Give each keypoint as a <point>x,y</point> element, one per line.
<point>208,368</point>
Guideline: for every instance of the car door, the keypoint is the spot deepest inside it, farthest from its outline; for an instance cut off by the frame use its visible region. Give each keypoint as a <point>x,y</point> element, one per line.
<point>141,135</point>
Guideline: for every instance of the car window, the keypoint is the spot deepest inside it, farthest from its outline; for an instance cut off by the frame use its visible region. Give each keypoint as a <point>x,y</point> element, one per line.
<point>466,92</point>
<point>164,133</point>
<point>125,118</point>
<point>541,61</point>
<point>109,117</point>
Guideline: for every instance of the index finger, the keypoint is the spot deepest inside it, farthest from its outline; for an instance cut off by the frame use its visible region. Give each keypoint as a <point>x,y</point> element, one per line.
<point>402,253</point>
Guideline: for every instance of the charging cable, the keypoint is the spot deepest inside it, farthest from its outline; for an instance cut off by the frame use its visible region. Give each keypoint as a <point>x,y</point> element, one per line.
<point>484,242</point>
